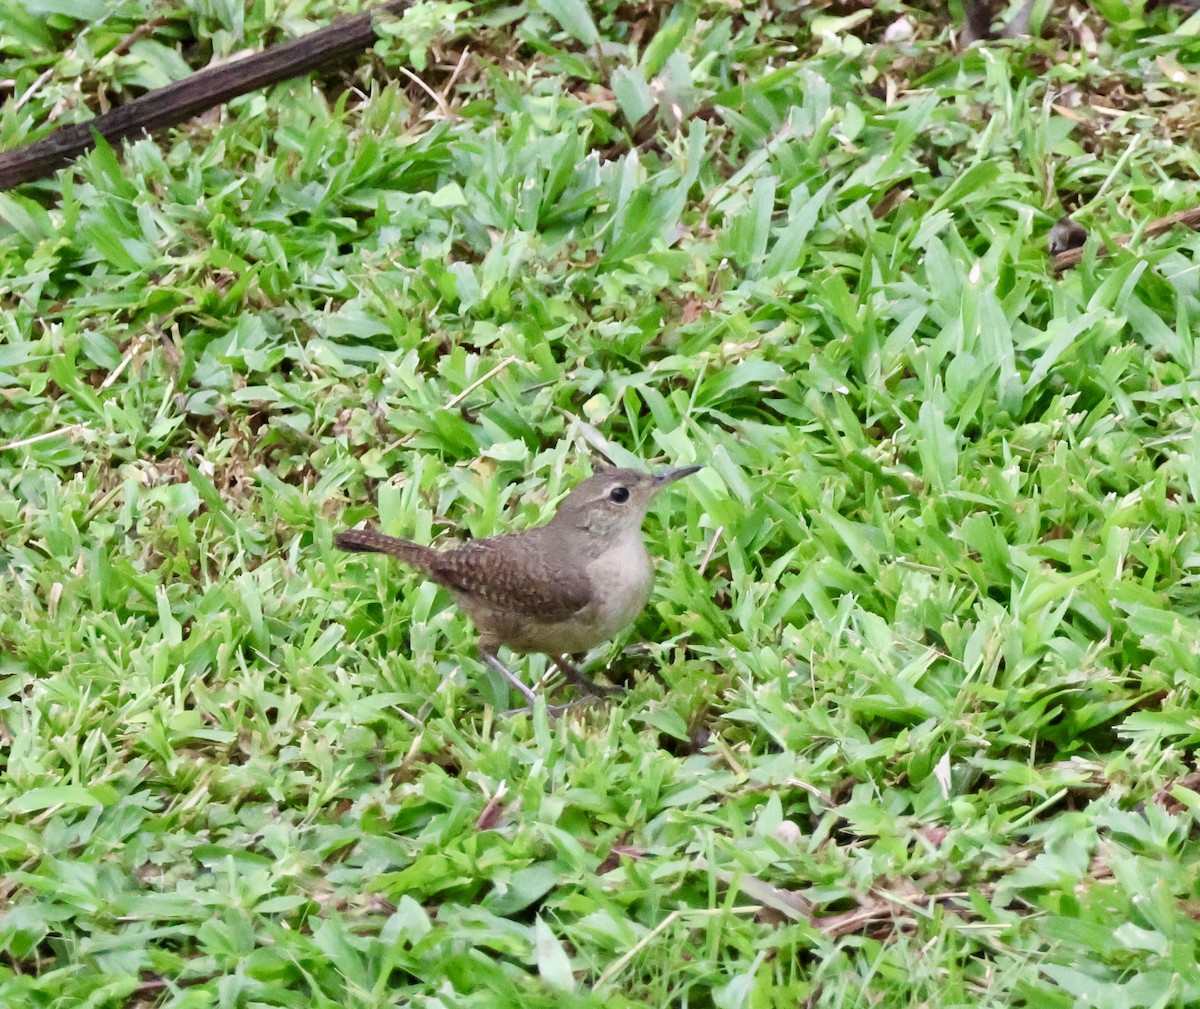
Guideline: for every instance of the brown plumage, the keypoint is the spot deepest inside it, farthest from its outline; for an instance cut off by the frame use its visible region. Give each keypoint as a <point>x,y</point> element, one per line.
<point>512,570</point>
<point>560,588</point>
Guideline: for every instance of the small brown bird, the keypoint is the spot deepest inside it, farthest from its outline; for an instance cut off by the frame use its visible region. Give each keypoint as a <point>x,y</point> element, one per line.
<point>560,588</point>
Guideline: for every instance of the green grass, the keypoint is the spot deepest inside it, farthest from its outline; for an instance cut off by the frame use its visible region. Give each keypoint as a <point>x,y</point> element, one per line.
<point>912,717</point>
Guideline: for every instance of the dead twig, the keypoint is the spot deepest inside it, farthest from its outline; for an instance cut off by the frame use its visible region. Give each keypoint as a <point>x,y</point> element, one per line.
<point>1185,218</point>
<point>205,89</point>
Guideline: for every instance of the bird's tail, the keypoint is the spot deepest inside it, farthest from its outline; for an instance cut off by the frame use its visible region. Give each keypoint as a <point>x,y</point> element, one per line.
<point>368,541</point>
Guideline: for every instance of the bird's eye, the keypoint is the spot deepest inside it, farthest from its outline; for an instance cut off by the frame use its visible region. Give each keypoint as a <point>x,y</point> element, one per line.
<point>619,494</point>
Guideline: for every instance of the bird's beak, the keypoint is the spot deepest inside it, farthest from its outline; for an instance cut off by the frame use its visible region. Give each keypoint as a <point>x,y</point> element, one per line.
<point>671,475</point>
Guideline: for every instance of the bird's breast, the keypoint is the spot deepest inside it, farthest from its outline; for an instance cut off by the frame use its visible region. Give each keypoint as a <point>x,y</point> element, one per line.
<point>621,579</point>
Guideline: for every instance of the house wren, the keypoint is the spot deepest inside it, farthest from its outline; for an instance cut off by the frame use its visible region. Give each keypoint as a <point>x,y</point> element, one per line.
<point>560,588</point>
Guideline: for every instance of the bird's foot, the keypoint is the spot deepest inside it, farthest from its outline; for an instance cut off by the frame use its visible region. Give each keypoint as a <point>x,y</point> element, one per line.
<point>554,710</point>
<point>572,673</point>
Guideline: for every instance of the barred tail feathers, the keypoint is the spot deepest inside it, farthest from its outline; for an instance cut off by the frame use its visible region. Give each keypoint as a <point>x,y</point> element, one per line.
<point>368,541</point>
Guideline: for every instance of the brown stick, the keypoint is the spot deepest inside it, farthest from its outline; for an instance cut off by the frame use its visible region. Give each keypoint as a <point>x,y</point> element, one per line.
<point>139,33</point>
<point>1185,218</point>
<point>205,89</point>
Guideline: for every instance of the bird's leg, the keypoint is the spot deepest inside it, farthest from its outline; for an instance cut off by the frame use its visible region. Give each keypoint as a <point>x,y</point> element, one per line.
<point>552,710</point>
<point>575,676</point>
<point>503,670</point>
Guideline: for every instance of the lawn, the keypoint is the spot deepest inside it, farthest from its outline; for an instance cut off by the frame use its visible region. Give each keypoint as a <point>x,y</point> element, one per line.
<point>911,719</point>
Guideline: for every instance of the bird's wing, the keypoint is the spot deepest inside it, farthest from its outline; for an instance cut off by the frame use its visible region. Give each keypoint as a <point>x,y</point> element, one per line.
<point>511,571</point>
